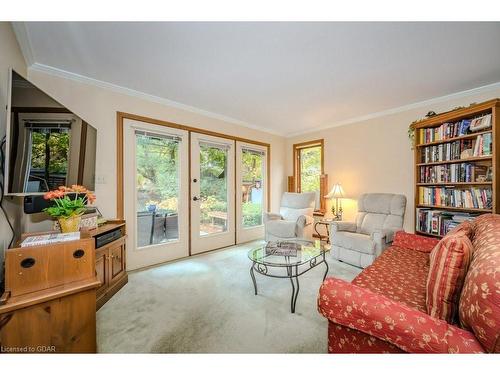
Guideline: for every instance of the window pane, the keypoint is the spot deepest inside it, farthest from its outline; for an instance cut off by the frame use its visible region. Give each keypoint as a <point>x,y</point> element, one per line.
<point>310,167</point>
<point>213,189</point>
<point>157,179</point>
<point>49,159</point>
<point>252,188</point>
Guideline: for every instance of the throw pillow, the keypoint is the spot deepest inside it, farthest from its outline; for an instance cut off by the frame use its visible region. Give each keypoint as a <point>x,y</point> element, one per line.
<point>449,262</point>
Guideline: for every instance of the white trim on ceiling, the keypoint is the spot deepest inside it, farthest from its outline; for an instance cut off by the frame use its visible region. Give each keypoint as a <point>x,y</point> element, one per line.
<point>24,42</point>
<point>142,95</point>
<point>23,39</point>
<point>404,108</point>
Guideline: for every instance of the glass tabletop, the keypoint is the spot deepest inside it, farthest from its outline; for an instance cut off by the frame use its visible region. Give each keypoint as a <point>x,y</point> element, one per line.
<point>286,253</point>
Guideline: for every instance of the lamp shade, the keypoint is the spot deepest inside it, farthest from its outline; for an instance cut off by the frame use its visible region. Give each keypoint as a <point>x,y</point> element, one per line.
<point>336,192</point>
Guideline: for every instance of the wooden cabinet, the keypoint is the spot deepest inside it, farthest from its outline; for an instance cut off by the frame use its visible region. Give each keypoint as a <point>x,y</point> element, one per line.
<point>50,299</point>
<point>117,260</point>
<point>57,320</point>
<point>101,271</point>
<point>110,263</point>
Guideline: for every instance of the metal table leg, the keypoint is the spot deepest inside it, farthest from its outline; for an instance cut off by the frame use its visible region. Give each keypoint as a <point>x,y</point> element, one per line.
<point>295,287</point>
<point>253,278</point>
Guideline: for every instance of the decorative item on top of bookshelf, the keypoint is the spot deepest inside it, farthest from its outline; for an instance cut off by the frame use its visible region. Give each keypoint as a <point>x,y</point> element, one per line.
<point>70,205</point>
<point>456,166</point>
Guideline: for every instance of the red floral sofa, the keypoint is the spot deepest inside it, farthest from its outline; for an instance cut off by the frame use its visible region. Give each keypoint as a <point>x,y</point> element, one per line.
<point>383,310</point>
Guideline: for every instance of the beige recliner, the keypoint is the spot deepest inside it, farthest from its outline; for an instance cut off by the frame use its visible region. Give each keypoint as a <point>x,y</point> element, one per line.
<point>379,216</point>
<point>294,220</point>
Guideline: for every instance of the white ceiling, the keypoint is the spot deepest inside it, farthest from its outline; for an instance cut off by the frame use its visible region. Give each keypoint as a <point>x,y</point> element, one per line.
<point>285,77</point>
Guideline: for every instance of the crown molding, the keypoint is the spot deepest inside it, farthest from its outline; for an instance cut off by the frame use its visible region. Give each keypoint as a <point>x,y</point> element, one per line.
<point>25,45</point>
<point>404,108</point>
<point>24,42</point>
<point>142,95</point>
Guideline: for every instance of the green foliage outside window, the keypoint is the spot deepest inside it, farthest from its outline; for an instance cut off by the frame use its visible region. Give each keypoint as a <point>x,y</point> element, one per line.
<point>58,143</point>
<point>157,172</point>
<point>310,168</point>
<point>252,176</point>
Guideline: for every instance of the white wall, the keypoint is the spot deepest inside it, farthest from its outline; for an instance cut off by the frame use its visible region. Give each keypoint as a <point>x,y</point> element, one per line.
<point>98,106</point>
<point>375,155</point>
<point>10,57</point>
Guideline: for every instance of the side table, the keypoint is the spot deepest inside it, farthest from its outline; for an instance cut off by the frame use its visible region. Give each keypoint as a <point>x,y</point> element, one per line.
<point>326,223</point>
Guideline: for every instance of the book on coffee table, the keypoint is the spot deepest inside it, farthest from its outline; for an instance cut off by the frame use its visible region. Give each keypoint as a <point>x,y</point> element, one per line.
<point>283,248</point>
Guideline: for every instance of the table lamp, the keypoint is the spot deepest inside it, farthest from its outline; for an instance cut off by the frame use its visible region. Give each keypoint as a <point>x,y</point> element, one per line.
<point>338,193</point>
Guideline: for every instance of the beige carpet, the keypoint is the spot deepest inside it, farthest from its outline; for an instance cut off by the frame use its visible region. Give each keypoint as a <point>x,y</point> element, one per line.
<point>206,304</point>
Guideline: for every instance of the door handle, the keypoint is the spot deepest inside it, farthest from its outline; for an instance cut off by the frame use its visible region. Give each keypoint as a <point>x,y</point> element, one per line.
<point>195,198</point>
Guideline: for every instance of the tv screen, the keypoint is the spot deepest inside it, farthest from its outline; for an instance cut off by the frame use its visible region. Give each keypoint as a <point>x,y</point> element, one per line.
<point>47,144</point>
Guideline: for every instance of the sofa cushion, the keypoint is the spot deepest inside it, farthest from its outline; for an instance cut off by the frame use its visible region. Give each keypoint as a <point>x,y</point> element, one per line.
<point>372,222</point>
<point>449,262</point>
<point>298,200</point>
<point>281,228</point>
<point>414,242</point>
<point>378,211</point>
<point>399,274</point>
<point>479,307</point>
<point>354,241</point>
<point>292,214</point>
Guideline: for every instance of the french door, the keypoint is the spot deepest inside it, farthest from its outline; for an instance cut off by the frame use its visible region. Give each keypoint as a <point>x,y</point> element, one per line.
<point>156,193</point>
<point>212,193</point>
<point>251,200</point>
<point>187,193</point>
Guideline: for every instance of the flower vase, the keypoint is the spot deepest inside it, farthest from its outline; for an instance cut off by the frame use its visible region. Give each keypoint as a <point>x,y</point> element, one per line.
<point>70,224</point>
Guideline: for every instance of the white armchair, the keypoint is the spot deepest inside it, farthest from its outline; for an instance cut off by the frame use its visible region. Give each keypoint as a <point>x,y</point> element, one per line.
<point>294,220</point>
<point>379,217</point>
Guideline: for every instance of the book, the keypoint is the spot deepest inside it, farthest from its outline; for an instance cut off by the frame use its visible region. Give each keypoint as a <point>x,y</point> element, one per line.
<point>480,198</point>
<point>480,123</point>
<point>437,222</point>
<point>46,239</point>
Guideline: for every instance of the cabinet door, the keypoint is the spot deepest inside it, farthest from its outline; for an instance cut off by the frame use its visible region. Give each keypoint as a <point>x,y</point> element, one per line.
<point>102,270</point>
<point>117,260</point>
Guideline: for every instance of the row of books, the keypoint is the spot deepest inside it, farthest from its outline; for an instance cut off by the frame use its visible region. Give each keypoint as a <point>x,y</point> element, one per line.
<point>483,145</point>
<point>460,172</point>
<point>455,129</point>
<point>473,197</point>
<point>439,222</point>
<point>480,146</point>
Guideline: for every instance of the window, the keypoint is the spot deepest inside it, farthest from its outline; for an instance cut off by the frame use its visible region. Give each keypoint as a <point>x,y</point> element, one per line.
<point>48,158</point>
<point>309,170</point>
<point>252,185</point>
<point>213,188</point>
<point>157,188</point>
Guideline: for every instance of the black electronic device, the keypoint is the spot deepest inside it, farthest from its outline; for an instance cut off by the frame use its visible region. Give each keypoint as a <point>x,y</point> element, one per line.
<point>105,238</point>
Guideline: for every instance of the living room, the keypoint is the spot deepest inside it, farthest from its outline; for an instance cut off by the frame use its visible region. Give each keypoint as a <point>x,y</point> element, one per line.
<point>249,187</point>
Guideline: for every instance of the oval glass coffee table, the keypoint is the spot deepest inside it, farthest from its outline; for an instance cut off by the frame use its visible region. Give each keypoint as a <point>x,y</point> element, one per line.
<point>287,260</point>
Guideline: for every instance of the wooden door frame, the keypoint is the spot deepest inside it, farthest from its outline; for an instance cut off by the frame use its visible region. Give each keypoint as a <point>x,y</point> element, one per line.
<point>297,147</point>
<point>120,120</point>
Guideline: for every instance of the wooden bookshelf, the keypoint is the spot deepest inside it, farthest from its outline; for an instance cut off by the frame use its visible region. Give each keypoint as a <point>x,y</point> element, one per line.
<point>462,137</point>
<point>466,160</point>
<point>473,111</point>
<point>450,208</point>
<point>453,183</point>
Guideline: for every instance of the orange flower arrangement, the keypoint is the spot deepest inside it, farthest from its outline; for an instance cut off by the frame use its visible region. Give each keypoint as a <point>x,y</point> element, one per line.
<point>65,206</point>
